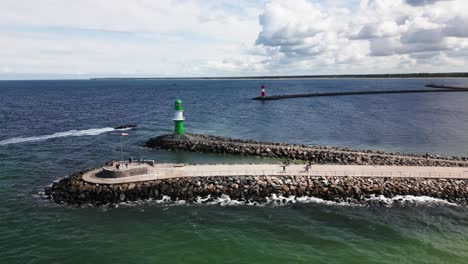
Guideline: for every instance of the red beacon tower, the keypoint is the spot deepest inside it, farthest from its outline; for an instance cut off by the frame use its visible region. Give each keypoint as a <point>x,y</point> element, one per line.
<point>263,90</point>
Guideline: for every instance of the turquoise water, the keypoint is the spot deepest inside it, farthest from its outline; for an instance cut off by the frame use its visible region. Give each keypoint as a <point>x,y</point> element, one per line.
<point>306,233</point>
<point>32,155</point>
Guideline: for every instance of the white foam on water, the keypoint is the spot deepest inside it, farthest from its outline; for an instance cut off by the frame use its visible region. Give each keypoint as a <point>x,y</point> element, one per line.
<point>224,200</point>
<point>279,200</point>
<point>409,200</point>
<point>70,133</point>
<point>124,129</point>
<point>307,199</point>
<point>273,200</point>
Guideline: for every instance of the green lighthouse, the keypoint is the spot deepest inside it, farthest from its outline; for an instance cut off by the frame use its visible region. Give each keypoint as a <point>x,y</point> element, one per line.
<point>179,118</point>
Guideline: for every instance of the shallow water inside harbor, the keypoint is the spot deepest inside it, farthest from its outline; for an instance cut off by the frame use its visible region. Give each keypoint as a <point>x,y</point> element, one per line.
<point>49,129</point>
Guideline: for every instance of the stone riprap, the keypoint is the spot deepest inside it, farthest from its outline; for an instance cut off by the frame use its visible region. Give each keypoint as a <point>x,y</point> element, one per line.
<point>74,190</point>
<point>315,154</point>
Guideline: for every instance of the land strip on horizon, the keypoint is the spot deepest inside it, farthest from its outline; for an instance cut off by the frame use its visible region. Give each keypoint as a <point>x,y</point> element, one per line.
<point>329,76</point>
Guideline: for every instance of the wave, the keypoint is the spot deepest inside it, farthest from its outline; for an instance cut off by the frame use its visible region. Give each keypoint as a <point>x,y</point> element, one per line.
<point>407,200</point>
<point>273,200</point>
<point>70,133</point>
<point>279,200</point>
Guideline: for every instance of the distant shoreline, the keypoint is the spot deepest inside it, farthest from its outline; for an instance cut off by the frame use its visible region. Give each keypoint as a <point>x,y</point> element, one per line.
<point>346,76</point>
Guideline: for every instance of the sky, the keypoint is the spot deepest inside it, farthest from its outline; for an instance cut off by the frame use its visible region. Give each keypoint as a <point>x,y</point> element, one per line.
<point>55,39</point>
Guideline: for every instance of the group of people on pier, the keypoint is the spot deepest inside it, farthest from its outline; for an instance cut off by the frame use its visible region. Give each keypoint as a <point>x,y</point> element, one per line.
<point>288,162</point>
<point>117,165</point>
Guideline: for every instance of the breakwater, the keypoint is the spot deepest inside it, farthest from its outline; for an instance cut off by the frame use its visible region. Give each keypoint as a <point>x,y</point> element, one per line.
<point>73,190</point>
<point>313,154</point>
<point>441,86</point>
<point>289,96</point>
<point>266,189</point>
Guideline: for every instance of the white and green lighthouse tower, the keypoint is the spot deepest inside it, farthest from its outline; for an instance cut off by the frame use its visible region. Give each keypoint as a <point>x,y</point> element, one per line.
<point>179,119</point>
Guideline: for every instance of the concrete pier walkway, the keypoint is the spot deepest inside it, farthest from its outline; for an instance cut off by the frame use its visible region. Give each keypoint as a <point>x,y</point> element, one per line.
<point>166,171</point>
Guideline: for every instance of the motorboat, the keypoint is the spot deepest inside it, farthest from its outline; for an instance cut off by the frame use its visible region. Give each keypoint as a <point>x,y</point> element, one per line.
<point>126,126</point>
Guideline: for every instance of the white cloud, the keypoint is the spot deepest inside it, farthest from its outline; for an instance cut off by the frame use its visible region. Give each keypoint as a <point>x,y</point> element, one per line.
<point>213,38</point>
<point>384,31</point>
<point>104,37</point>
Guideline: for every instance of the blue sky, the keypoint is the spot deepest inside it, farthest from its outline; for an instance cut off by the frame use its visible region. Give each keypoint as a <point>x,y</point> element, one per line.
<point>178,38</point>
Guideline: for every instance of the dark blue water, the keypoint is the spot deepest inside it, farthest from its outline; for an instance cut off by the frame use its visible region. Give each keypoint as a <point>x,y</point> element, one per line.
<point>49,129</point>
<point>407,122</point>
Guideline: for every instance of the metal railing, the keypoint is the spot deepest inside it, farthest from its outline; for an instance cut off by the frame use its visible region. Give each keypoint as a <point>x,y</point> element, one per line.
<point>205,173</point>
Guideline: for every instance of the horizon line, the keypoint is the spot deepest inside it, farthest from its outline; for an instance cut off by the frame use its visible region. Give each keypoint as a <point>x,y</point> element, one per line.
<point>255,77</point>
<point>303,76</point>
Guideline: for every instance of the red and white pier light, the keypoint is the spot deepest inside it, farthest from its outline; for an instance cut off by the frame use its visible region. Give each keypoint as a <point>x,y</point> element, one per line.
<point>263,90</point>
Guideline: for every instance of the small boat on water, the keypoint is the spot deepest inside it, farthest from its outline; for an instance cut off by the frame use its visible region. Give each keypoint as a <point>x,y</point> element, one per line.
<point>126,126</point>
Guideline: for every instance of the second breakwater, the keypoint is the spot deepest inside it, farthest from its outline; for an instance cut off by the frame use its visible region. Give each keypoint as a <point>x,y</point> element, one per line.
<point>289,96</point>
<point>313,154</point>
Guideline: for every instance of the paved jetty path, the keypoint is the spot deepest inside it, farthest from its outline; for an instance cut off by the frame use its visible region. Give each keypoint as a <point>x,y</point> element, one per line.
<point>166,171</point>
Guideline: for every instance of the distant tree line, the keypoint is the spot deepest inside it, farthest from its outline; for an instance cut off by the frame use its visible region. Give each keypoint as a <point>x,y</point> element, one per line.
<point>398,75</point>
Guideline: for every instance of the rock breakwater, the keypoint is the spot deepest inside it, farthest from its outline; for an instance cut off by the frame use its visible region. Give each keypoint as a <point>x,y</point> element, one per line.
<point>73,190</point>
<point>314,154</point>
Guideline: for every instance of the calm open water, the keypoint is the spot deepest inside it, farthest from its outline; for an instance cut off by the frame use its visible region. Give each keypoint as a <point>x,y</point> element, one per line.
<point>49,129</point>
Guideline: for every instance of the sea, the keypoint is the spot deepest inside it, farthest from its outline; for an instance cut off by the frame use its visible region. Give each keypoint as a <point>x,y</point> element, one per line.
<point>52,128</point>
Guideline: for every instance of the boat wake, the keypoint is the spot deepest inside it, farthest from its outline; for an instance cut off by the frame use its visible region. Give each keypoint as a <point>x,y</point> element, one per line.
<point>70,133</point>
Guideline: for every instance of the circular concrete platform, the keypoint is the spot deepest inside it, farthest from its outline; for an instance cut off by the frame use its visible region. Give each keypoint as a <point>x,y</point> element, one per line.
<point>131,169</point>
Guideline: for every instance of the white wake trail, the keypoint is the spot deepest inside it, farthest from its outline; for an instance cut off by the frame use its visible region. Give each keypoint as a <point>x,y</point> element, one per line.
<point>70,133</point>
